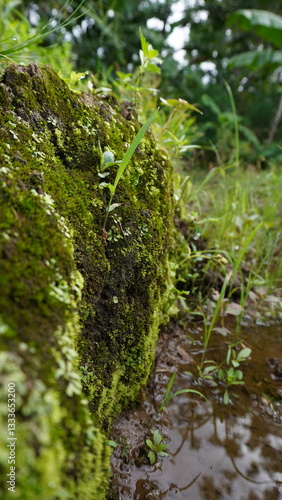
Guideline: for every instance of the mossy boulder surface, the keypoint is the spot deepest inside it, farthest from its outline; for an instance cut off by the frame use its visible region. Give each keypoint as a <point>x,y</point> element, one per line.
<point>80,307</point>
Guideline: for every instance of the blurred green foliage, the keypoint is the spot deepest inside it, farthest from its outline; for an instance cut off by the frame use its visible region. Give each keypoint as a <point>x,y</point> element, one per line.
<point>219,43</point>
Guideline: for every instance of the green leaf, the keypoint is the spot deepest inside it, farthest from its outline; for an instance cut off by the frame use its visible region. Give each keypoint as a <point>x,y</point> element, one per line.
<point>186,105</point>
<point>182,391</point>
<point>113,206</point>
<point>124,76</point>
<point>162,447</point>
<point>233,309</point>
<point>110,164</point>
<point>221,330</point>
<point>169,385</point>
<point>157,437</point>
<point>173,102</point>
<point>144,43</point>
<point>165,102</point>
<point>75,77</point>
<point>153,68</point>
<point>244,353</point>
<point>265,24</point>
<point>226,397</point>
<point>249,135</point>
<point>150,443</point>
<point>210,103</point>
<point>152,53</point>
<point>152,457</point>
<point>108,157</point>
<point>179,104</point>
<point>256,60</point>
<point>107,185</point>
<point>209,369</point>
<point>142,57</point>
<point>112,443</point>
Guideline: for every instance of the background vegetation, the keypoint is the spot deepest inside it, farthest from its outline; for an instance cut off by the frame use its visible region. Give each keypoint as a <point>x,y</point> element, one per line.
<point>104,39</point>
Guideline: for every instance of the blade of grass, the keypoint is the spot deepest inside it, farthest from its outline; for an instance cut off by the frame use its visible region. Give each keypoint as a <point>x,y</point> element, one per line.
<point>168,397</point>
<point>182,391</point>
<point>236,127</point>
<point>214,317</point>
<point>169,385</point>
<point>241,255</point>
<point>131,149</point>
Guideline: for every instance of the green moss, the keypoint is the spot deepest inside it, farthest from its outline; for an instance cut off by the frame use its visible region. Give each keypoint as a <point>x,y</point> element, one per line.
<point>65,288</point>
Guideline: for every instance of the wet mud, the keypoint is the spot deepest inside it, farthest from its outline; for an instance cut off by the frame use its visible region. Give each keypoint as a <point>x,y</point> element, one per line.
<point>215,451</point>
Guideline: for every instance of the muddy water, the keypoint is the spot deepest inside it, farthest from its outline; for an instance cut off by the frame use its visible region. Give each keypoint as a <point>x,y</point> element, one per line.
<point>215,451</point>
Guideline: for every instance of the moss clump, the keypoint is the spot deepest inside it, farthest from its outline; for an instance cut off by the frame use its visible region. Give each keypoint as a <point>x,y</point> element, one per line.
<point>79,312</point>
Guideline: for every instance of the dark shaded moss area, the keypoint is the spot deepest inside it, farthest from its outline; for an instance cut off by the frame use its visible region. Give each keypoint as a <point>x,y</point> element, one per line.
<point>79,310</point>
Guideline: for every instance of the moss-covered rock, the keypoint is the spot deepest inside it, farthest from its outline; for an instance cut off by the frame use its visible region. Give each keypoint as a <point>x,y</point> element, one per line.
<point>79,307</point>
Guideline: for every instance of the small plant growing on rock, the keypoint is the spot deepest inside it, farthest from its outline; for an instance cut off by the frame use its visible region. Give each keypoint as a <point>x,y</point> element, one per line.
<point>107,160</point>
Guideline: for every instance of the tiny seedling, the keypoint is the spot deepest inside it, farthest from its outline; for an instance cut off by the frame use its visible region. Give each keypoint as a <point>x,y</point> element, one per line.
<point>209,371</point>
<point>113,443</point>
<point>148,56</point>
<point>232,375</point>
<point>108,160</point>
<point>124,446</point>
<point>135,83</point>
<point>229,375</point>
<point>237,358</point>
<point>155,445</point>
<point>157,448</point>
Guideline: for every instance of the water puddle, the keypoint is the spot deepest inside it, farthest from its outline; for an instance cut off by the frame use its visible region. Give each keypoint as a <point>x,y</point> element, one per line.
<point>215,451</point>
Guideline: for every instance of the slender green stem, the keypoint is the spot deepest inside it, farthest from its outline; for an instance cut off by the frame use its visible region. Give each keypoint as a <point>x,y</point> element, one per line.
<point>241,255</point>
<point>236,127</point>
<point>107,212</point>
<point>214,318</point>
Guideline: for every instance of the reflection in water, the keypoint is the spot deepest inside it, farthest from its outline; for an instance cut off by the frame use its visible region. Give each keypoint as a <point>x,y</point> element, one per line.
<point>216,452</point>
<point>237,457</point>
